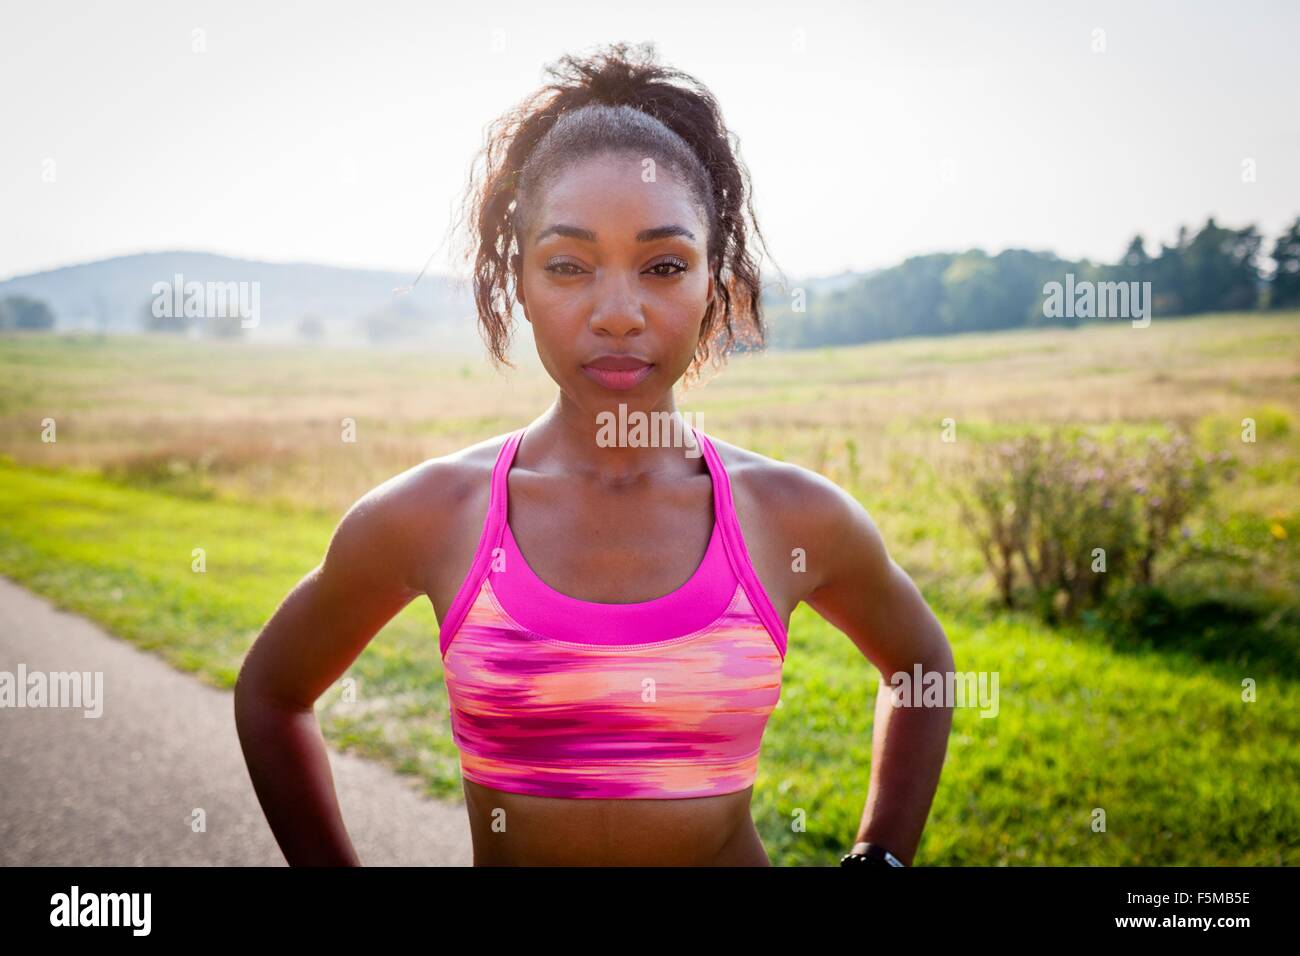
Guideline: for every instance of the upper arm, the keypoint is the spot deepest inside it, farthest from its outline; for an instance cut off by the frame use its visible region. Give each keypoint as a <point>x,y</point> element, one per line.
<point>863,592</point>
<point>370,571</point>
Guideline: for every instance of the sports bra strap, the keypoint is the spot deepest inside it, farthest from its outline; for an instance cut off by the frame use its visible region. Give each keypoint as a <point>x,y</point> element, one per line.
<point>497,508</point>
<point>491,533</point>
<point>736,549</point>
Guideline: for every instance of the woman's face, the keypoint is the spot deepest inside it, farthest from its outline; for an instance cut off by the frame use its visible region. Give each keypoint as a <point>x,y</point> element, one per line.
<point>615,266</point>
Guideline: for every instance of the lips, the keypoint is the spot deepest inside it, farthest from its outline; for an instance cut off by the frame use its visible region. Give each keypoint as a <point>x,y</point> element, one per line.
<point>617,371</point>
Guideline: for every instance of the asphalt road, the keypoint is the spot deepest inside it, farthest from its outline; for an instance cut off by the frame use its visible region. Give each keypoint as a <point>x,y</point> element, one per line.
<point>120,789</point>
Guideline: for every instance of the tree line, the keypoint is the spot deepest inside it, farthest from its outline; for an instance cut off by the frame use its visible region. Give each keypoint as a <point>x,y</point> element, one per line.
<point>21,312</point>
<point>1217,269</point>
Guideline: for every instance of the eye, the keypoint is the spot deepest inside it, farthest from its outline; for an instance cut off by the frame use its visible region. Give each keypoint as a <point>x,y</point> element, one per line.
<point>678,263</point>
<point>557,267</point>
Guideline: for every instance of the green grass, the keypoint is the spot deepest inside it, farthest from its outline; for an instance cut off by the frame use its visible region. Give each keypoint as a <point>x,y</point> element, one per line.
<point>124,557</point>
<point>1185,771</point>
<point>165,446</point>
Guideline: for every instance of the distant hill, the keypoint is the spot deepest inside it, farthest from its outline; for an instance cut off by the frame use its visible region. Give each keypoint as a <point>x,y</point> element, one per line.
<point>352,305</point>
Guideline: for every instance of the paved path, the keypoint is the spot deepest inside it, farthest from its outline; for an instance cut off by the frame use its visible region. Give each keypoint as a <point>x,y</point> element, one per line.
<point>119,789</point>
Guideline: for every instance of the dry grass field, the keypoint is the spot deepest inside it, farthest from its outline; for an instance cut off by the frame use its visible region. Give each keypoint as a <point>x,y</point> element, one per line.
<point>164,444</point>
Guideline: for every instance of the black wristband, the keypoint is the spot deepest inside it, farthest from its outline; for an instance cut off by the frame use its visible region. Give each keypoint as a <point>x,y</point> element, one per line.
<point>870,854</point>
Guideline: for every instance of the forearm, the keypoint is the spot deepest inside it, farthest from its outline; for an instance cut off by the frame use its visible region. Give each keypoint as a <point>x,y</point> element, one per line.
<point>907,752</point>
<point>289,767</point>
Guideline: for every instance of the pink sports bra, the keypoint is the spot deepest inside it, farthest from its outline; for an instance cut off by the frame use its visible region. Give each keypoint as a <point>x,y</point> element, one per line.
<point>557,697</point>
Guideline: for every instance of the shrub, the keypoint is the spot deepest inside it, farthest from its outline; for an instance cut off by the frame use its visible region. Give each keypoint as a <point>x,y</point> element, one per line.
<point>1057,518</point>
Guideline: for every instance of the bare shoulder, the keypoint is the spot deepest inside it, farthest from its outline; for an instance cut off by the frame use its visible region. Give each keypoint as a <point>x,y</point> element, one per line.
<point>436,485</point>
<point>784,491</point>
<point>398,523</point>
<point>801,508</point>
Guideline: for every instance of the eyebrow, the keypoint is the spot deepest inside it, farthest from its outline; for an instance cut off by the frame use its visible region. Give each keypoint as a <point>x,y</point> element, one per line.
<point>645,235</point>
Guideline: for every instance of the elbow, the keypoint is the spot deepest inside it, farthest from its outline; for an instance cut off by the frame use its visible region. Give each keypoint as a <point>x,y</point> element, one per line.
<point>928,650</point>
<point>251,701</point>
<point>256,703</point>
<point>940,656</point>
<point>245,700</point>
<point>936,651</point>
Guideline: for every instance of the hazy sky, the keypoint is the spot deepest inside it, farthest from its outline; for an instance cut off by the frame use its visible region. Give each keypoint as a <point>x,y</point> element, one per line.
<point>342,133</point>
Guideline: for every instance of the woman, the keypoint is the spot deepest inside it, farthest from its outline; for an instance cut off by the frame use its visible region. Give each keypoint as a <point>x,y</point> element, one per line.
<point>612,612</point>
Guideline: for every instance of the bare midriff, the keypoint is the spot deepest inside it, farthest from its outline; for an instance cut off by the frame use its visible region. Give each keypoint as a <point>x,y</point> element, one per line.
<point>515,829</point>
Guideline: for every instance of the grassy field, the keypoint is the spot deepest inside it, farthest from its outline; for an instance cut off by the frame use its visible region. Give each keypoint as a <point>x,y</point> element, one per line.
<point>166,446</point>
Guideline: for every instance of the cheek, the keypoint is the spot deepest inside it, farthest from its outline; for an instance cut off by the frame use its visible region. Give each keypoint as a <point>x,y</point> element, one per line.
<point>693,301</point>
<point>550,304</point>
<point>694,288</point>
<point>681,303</point>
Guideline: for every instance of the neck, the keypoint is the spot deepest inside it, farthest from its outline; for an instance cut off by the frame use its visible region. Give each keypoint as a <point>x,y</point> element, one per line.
<point>568,437</point>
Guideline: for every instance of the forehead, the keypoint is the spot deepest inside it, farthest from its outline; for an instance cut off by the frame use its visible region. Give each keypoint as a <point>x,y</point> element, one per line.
<point>616,196</point>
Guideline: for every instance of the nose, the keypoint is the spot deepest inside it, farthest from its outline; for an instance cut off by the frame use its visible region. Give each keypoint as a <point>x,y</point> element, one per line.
<point>618,308</point>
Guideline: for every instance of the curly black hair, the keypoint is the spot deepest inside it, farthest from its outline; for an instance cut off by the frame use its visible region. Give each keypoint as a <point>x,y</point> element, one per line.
<point>617,99</point>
